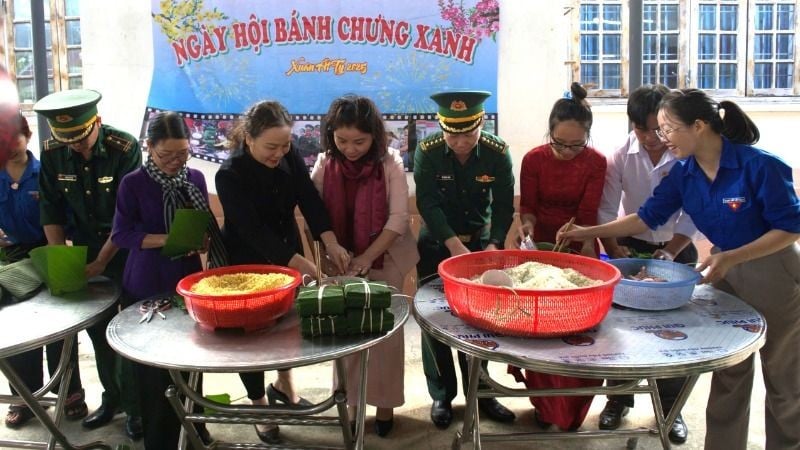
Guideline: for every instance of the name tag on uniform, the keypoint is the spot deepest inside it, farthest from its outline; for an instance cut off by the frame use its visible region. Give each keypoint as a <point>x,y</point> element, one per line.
<point>105,180</point>
<point>734,203</point>
<point>444,177</point>
<point>484,179</point>
<point>66,177</point>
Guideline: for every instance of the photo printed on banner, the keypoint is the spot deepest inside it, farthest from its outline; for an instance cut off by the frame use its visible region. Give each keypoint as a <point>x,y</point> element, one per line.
<point>397,133</point>
<point>208,134</point>
<point>306,138</point>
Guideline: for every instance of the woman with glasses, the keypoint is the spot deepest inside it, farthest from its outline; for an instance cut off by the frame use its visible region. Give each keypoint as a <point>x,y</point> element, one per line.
<point>259,186</point>
<point>561,180</point>
<point>743,199</point>
<point>146,203</point>
<point>564,178</point>
<point>365,190</point>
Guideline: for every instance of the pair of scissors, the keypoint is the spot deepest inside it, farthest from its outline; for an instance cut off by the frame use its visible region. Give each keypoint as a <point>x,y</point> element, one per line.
<point>150,307</point>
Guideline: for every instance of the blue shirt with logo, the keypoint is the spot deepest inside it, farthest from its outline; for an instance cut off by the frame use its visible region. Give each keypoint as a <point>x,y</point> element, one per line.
<point>751,195</point>
<point>19,205</point>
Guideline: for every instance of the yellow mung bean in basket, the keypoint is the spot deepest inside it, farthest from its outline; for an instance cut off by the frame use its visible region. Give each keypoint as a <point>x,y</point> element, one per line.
<point>240,283</point>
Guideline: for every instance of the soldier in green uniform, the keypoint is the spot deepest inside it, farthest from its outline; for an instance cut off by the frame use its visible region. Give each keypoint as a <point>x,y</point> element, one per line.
<point>81,168</point>
<point>465,195</point>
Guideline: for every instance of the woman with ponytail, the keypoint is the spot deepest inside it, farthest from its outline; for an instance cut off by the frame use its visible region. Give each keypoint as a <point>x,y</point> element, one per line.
<point>743,199</point>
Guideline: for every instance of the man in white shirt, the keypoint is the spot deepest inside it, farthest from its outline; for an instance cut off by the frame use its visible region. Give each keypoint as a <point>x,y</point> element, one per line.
<point>633,171</point>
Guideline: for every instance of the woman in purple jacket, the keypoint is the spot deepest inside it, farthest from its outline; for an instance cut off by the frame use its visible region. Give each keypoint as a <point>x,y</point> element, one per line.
<point>146,203</point>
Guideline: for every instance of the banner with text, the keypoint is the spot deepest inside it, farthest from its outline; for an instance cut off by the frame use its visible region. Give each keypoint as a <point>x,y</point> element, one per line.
<point>215,58</point>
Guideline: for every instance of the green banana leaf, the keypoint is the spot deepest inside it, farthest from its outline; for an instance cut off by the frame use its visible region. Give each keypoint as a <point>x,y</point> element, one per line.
<point>62,267</point>
<point>225,399</point>
<point>187,232</point>
<point>20,279</point>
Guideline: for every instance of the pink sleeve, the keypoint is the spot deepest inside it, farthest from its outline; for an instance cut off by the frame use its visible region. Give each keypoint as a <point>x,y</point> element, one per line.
<point>397,189</point>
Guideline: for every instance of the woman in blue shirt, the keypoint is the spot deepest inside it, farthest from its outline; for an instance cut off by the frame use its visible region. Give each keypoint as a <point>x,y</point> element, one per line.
<point>19,220</point>
<point>743,199</point>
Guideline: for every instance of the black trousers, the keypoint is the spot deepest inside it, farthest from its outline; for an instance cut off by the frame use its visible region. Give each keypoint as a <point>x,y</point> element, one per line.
<point>437,358</point>
<point>668,388</point>
<point>161,425</point>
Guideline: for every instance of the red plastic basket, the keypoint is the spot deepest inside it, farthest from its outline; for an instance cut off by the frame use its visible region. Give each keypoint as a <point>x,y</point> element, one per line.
<point>249,311</point>
<point>527,312</point>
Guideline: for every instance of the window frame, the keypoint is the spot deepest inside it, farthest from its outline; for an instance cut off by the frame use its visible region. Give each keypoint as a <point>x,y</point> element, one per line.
<point>575,52</point>
<point>681,59</point>
<point>751,91</point>
<point>742,76</point>
<point>688,46</point>
<point>58,48</point>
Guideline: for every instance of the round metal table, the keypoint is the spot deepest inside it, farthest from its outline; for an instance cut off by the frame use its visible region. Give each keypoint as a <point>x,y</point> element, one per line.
<point>715,330</point>
<point>41,320</point>
<point>179,344</point>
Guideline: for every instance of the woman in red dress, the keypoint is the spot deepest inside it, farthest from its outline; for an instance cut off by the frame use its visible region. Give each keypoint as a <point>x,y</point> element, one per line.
<point>561,180</point>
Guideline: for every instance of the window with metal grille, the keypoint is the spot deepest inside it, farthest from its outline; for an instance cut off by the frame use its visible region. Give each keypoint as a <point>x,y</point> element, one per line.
<point>601,44</point>
<point>729,47</point>
<point>62,47</point>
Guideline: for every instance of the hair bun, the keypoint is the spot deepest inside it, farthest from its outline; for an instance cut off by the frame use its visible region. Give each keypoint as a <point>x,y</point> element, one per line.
<point>578,92</point>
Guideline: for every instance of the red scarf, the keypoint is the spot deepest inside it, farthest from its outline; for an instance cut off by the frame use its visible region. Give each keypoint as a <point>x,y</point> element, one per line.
<point>358,187</point>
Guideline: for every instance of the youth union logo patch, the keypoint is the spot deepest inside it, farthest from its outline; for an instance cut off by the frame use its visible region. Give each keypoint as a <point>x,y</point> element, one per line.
<point>734,203</point>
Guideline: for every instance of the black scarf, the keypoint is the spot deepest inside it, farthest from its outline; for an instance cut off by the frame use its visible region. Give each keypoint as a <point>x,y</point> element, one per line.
<point>174,190</point>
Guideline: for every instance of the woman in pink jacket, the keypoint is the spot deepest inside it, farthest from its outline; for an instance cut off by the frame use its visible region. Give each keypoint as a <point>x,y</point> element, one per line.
<point>365,191</point>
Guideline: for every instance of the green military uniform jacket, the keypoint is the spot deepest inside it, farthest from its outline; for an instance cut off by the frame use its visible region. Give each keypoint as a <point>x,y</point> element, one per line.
<point>81,195</point>
<point>460,200</point>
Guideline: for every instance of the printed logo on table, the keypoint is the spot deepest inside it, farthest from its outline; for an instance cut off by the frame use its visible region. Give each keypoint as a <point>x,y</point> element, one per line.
<point>700,301</point>
<point>578,340</point>
<point>670,335</point>
<point>751,327</point>
<point>485,343</point>
<point>734,203</point>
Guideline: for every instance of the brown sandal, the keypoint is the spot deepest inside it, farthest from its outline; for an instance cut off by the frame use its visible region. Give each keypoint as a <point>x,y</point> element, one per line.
<point>75,407</point>
<point>18,415</point>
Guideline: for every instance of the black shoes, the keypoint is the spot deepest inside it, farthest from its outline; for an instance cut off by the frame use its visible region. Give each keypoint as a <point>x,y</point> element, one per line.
<point>679,432</point>
<point>495,411</point>
<point>100,417</point>
<point>383,427</point>
<point>612,414</point>
<point>274,396</point>
<point>270,436</point>
<point>441,413</point>
<point>133,427</point>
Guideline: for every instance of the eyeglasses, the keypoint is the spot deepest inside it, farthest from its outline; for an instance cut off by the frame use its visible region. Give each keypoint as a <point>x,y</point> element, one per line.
<point>180,157</point>
<point>663,133</point>
<point>560,146</point>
